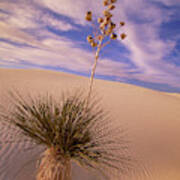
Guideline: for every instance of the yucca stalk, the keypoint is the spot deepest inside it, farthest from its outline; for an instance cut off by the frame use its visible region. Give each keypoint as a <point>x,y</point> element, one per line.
<point>103,34</point>
<point>68,130</point>
<point>94,67</point>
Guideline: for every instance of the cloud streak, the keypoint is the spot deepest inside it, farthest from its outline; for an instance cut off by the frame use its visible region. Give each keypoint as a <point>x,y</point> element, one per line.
<point>25,38</point>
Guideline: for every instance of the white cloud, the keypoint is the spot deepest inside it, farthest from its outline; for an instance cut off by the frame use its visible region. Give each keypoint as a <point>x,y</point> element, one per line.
<point>148,50</point>
<point>143,21</point>
<point>9,32</point>
<point>59,52</point>
<point>72,9</point>
<point>23,15</point>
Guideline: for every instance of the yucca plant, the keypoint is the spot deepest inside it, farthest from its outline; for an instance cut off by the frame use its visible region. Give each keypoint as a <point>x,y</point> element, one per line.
<point>73,127</point>
<point>69,130</point>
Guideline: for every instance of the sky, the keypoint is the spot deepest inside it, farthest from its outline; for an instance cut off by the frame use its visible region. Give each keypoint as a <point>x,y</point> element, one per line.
<point>51,34</point>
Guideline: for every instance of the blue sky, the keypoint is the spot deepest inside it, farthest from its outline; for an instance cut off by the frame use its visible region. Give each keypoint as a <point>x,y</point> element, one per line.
<point>51,34</point>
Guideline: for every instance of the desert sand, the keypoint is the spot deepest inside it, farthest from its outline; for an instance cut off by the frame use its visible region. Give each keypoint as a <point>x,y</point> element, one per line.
<point>152,119</point>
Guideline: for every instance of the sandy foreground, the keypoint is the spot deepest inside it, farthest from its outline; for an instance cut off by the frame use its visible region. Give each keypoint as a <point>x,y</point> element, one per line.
<point>152,119</point>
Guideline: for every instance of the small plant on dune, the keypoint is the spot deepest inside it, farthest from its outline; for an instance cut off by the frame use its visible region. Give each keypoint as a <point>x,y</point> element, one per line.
<point>69,131</point>
<point>103,33</point>
<point>74,127</point>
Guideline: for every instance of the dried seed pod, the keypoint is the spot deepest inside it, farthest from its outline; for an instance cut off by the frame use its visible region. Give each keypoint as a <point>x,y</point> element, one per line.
<point>106,21</point>
<point>111,7</point>
<point>122,23</point>
<point>88,16</point>
<point>107,13</point>
<point>89,13</point>
<point>112,25</point>
<point>90,39</point>
<point>113,1</point>
<point>113,36</point>
<point>106,2</point>
<point>100,37</point>
<point>93,44</point>
<point>100,20</point>
<point>123,36</point>
<point>109,31</point>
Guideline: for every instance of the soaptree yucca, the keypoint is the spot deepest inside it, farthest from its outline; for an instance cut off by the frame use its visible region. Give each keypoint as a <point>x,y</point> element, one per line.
<point>73,127</point>
<point>69,130</point>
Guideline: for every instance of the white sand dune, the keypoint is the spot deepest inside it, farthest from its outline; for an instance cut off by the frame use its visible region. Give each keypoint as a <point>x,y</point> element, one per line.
<point>152,118</point>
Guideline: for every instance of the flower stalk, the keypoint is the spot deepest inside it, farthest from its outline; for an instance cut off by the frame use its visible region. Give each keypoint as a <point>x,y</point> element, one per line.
<point>94,67</point>
<point>105,32</point>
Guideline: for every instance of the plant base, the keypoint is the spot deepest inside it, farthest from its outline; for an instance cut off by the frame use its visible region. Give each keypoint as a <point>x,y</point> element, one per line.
<point>53,168</point>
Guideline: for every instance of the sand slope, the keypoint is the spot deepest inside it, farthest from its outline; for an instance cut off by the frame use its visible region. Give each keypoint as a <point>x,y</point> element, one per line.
<point>152,118</point>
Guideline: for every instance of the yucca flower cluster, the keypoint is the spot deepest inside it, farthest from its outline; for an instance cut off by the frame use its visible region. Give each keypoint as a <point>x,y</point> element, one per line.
<point>104,32</point>
<point>106,26</point>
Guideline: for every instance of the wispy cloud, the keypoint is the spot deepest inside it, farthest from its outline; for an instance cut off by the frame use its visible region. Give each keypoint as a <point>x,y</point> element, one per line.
<point>149,54</point>
<point>148,49</point>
